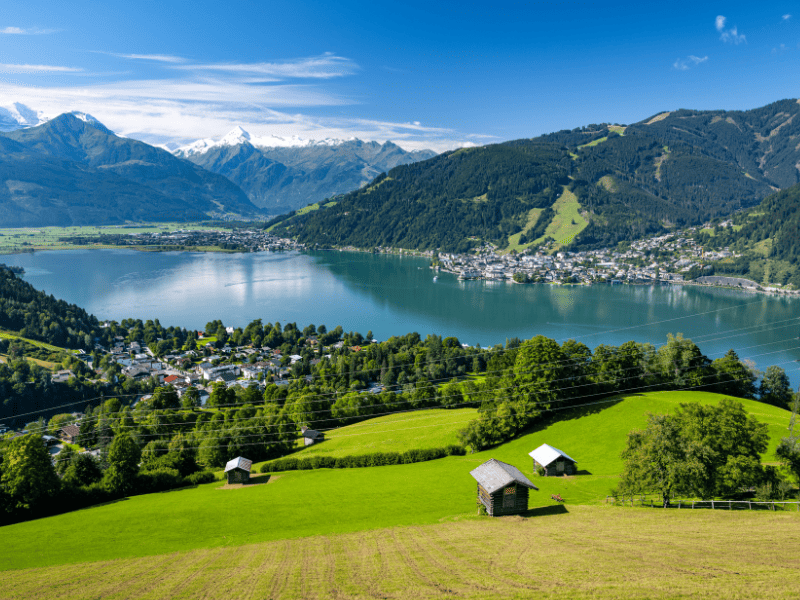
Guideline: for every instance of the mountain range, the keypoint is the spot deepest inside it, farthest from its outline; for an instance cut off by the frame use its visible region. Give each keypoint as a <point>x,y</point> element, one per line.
<point>600,184</point>
<point>281,174</point>
<point>72,170</point>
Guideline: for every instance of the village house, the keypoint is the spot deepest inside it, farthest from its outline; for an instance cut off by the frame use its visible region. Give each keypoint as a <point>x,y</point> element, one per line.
<point>502,488</point>
<point>69,433</point>
<point>551,461</point>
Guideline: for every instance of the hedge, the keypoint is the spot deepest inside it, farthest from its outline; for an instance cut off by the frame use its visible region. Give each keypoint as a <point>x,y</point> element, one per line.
<point>376,459</point>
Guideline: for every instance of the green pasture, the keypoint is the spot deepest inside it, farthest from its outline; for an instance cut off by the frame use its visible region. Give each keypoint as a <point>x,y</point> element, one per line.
<point>21,239</point>
<point>593,143</point>
<point>568,221</point>
<point>398,432</point>
<point>332,501</point>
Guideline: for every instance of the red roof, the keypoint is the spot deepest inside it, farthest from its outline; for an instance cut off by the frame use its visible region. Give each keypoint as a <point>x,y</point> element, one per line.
<point>171,378</point>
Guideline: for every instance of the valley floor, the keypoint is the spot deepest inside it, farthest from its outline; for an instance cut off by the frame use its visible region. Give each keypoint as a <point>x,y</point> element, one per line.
<point>553,552</point>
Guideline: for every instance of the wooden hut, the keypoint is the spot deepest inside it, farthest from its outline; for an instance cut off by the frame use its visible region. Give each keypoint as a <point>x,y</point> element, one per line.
<point>552,461</point>
<point>311,436</point>
<point>502,488</point>
<point>69,433</point>
<point>238,470</point>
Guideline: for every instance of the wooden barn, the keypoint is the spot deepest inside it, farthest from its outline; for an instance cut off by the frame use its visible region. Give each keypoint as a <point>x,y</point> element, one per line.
<point>553,461</point>
<point>238,470</point>
<point>502,488</point>
<point>69,433</point>
<point>311,436</point>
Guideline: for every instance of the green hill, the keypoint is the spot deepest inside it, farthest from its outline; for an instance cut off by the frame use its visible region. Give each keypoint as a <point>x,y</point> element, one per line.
<point>332,501</point>
<point>397,432</point>
<point>678,169</point>
<point>766,238</point>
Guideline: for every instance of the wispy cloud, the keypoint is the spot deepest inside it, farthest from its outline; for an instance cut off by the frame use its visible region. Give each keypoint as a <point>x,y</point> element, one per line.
<point>325,66</point>
<point>786,17</point>
<point>7,68</point>
<point>684,64</point>
<point>164,58</point>
<point>24,31</point>
<point>731,35</point>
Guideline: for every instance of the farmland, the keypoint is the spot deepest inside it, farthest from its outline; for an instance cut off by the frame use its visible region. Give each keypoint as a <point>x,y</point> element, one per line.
<point>331,502</point>
<point>573,552</point>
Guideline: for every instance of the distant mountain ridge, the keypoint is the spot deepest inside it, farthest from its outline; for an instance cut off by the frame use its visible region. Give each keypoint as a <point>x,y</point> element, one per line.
<point>72,170</point>
<point>281,174</point>
<point>598,184</point>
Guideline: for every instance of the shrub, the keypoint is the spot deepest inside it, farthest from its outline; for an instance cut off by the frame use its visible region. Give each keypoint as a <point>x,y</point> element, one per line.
<point>201,477</point>
<point>158,480</point>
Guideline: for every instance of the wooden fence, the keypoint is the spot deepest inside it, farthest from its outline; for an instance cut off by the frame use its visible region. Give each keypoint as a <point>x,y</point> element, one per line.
<point>656,502</point>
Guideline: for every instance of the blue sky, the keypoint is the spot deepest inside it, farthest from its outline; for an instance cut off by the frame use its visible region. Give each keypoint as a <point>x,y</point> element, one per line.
<point>423,74</point>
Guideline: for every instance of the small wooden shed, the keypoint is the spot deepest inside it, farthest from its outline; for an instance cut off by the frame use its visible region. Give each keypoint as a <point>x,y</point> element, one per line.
<point>502,488</point>
<point>553,461</point>
<point>69,433</point>
<point>238,470</point>
<point>311,436</point>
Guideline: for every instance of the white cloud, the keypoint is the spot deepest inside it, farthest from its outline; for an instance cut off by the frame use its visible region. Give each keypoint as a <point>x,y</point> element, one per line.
<point>786,17</point>
<point>684,64</point>
<point>730,35</point>
<point>165,58</point>
<point>325,66</point>
<point>23,31</point>
<point>7,68</point>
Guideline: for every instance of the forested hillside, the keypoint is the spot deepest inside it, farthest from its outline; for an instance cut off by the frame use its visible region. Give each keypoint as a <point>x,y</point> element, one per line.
<point>766,239</point>
<point>673,170</point>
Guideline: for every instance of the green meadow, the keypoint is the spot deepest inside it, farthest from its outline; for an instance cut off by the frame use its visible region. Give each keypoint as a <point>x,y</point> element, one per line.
<point>397,432</point>
<point>329,502</point>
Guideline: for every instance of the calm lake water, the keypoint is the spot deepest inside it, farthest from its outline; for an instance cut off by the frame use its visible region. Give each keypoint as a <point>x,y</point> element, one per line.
<point>393,295</point>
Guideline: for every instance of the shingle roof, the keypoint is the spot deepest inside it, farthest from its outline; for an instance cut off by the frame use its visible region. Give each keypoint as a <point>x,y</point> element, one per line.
<point>311,434</point>
<point>238,463</point>
<point>494,475</point>
<point>545,454</point>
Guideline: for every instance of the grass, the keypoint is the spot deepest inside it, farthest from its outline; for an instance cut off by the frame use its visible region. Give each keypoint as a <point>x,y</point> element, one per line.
<point>47,238</point>
<point>42,363</point>
<point>568,221</point>
<point>394,433</point>
<point>620,129</point>
<point>574,552</point>
<point>328,502</point>
<point>7,335</point>
<point>513,240</point>
<point>594,143</point>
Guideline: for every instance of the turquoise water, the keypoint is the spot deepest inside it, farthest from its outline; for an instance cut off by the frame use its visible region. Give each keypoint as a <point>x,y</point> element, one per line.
<point>392,295</point>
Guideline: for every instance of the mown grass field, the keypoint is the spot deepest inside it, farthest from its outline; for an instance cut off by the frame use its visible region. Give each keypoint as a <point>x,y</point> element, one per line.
<point>393,433</point>
<point>329,502</point>
<point>574,552</point>
<point>513,240</point>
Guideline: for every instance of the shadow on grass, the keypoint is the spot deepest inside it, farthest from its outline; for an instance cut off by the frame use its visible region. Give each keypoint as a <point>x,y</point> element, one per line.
<point>544,511</point>
<point>583,472</point>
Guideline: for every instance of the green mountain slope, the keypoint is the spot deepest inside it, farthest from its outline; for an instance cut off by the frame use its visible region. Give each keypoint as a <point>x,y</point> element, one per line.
<point>674,170</point>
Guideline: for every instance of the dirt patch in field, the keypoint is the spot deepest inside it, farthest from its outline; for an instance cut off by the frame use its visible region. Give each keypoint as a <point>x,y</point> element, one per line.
<point>260,479</point>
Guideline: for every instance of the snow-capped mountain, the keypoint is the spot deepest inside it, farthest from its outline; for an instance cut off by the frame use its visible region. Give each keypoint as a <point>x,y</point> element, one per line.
<point>280,174</point>
<point>18,116</point>
<point>239,136</point>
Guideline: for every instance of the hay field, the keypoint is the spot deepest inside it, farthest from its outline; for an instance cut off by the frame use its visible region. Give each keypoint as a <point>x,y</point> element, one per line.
<point>574,552</point>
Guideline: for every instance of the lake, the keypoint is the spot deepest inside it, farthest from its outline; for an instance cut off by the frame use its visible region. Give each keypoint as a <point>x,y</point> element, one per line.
<point>392,295</point>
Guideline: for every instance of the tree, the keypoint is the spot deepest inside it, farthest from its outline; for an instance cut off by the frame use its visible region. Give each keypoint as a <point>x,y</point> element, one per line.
<point>733,377</point>
<point>700,450</point>
<point>64,459</point>
<point>28,475</point>
<point>191,397</point>
<point>164,397</point>
<point>775,388</point>
<point>83,470</point>
<point>123,464</point>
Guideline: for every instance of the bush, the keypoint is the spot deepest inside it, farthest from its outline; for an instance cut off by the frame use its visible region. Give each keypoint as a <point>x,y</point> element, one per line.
<point>158,480</point>
<point>201,477</point>
<point>376,459</point>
